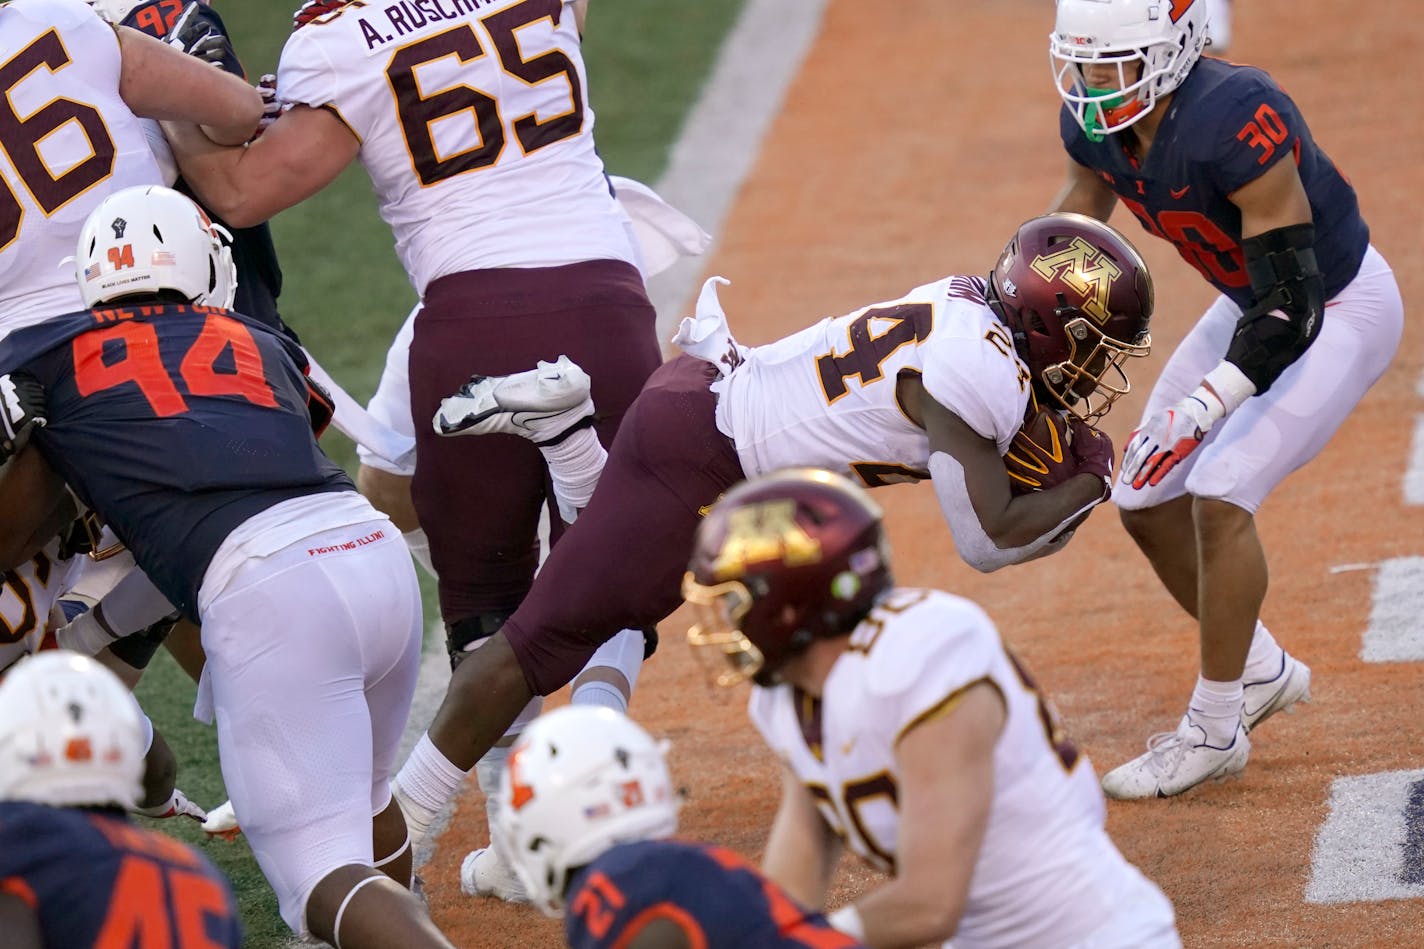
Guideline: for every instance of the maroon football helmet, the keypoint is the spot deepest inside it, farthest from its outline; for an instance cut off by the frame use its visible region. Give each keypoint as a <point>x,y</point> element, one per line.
<point>780,561</point>
<point>1078,299</point>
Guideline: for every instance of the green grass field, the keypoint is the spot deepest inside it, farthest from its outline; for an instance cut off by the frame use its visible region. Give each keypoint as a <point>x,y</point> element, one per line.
<point>346,295</point>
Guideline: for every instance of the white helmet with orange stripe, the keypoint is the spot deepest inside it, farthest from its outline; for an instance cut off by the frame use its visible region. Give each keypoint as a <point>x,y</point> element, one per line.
<point>579,781</point>
<point>72,735</point>
<point>147,239</point>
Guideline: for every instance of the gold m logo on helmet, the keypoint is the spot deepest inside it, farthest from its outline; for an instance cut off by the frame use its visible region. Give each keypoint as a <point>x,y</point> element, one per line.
<point>764,533</point>
<point>1084,268</point>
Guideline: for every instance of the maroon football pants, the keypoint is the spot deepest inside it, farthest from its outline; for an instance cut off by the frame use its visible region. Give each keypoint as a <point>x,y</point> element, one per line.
<point>478,497</point>
<point>620,565</point>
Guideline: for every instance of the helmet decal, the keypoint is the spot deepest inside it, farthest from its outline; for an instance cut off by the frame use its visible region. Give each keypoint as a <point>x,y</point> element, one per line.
<point>1086,269</point>
<point>762,533</point>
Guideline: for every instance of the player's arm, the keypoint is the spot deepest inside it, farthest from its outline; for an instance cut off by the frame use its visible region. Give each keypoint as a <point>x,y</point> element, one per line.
<point>1083,192</point>
<point>801,851</point>
<point>946,766</point>
<point>156,81</point>
<point>580,8</point>
<point>34,507</point>
<point>991,527</point>
<point>299,154</point>
<point>18,921</point>
<point>1278,242</point>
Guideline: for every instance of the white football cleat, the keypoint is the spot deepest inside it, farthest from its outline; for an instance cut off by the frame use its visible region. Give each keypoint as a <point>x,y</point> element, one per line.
<point>1175,762</point>
<point>543,404</point>
<point>1266,697</point>
<point>222,822</point>
<point>484,873</point>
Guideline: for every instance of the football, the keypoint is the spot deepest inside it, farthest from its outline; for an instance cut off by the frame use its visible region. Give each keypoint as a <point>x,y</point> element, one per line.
<point>1040,456</point>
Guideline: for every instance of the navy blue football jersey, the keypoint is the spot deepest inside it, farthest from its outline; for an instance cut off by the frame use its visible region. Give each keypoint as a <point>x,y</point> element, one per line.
<point>259,277</point>
<point>94,879</point>
<point>175,424</point>
<point>716,897</point>
<point>1225,126</point>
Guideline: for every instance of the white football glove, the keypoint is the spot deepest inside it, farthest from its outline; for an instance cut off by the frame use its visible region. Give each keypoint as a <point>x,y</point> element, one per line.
<point>177,805</point>
<point>22,408</point>
<point>1170,435</point>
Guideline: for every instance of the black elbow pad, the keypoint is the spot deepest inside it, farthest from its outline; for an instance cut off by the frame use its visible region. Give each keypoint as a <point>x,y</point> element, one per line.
<point>1286,280</point>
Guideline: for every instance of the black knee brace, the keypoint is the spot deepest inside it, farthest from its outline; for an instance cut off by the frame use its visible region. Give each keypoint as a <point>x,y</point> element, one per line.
<point>462,635</point>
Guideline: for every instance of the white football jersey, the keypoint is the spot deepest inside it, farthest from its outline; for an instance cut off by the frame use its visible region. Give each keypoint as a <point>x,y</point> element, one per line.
<point>475,129</point>
<point>826,396</point>
<point>1047,874</point>
<point>68,142</point>
<point>27,597</point>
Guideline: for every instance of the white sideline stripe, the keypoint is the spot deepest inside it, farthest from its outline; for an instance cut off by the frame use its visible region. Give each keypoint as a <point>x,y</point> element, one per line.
<point>722,135</point>
<point>713,153</point>
<point>1394,633</point>
<point>1414,474</point>
<point>1358,853</point>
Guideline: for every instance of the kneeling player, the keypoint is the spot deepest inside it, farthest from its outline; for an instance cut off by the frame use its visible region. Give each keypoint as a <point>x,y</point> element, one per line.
<point>586,810</point>
<point>73,870</point>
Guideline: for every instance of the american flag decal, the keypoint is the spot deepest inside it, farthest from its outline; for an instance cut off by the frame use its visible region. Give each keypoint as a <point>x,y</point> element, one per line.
<point>163,258</point>
<point>92,272</point>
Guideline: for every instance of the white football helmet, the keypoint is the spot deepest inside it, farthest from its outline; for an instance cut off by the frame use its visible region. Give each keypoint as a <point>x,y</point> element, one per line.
<point>148,238</point>
<point>72,733</point>
<point>579,781</point>
<point>1152,43</point>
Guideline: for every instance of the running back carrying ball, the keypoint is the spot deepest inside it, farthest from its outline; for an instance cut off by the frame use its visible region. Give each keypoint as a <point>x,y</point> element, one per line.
<point>1053,447</point>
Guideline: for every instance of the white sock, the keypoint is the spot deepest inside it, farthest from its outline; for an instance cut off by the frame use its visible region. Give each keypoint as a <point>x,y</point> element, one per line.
<point>623,654</point>
<point>1266,659</point>
<point>425,784</point>
<point>1216,707</point>
<point>601,694</point>
<point>574,466</point>
<point>419,546</point>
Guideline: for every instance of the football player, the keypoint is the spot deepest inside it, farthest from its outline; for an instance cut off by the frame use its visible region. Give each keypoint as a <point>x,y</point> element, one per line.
<point>664,234</point>
<point>506,227</point>
<point>186,427</point>
<point>935,383</point>
<point>910,734</point>
<point>96,79</point>
<point>477,133</point>
<point>1217,159</point>
<point>586,813</point>
<point>73,870</point>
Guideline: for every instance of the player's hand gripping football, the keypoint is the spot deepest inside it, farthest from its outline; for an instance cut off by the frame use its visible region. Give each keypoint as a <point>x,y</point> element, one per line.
<point>22,409</point>
<point>1092,453</point>
<point>1051,448</point>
